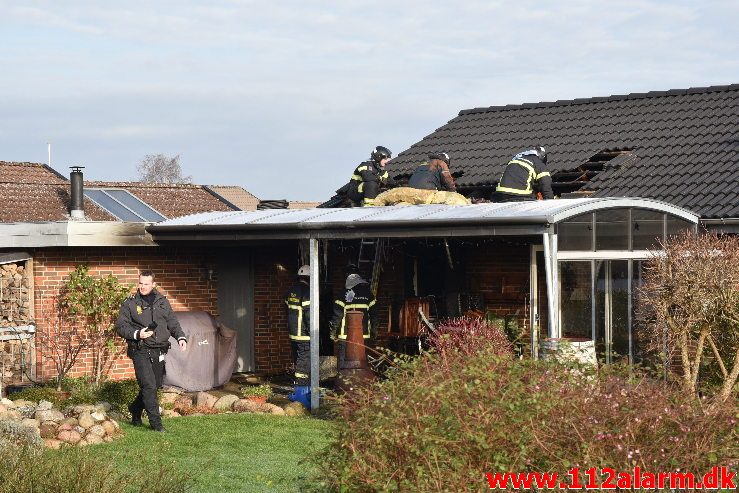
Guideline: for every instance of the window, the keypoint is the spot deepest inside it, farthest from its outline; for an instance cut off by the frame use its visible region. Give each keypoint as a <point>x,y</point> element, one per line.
<point>576,233</point>
<point>576,299</point>
<point>123,205</point>
<point>646,228</point>
<point>676,225</point>
<point>612,230</point>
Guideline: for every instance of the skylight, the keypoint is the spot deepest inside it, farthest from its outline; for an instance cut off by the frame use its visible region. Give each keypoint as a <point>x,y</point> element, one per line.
<point>123,205</point>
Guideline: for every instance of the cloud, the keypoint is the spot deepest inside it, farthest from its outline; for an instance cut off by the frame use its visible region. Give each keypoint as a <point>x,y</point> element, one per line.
<point>237,82</point>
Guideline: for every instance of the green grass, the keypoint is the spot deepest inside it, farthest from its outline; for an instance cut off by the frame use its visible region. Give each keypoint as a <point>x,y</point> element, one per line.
<point>227,452</point>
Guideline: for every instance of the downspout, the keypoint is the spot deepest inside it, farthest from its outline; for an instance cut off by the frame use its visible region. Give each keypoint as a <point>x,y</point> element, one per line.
<point>314,303</point>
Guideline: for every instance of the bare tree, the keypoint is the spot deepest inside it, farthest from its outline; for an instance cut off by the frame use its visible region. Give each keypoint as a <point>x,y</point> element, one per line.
<point>158,168</point>
<point>62,341</point>
<point>690,306</point>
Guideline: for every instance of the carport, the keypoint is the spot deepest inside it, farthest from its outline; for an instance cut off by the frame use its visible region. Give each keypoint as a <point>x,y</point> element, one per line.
<point>590,249</point>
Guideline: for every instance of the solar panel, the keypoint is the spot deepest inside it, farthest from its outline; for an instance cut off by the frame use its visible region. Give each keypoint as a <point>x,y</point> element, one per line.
<point>138,206</point>
<point>123,205</point>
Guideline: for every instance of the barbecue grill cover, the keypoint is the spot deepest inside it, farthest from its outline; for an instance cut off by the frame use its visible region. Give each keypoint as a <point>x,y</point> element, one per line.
<point>210,357</point>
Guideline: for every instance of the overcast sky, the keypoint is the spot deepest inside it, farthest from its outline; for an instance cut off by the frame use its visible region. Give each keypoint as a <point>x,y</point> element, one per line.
<point>285,97</point>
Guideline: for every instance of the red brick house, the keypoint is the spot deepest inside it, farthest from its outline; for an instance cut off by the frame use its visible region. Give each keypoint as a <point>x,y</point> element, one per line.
<point>41,244</point>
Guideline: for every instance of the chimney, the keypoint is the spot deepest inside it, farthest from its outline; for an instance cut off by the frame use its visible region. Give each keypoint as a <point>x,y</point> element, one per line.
<point>76,209</point>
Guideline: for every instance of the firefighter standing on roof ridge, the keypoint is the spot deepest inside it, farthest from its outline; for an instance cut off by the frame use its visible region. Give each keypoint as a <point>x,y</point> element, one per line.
<point>524,176</point>
<point>365,183</point>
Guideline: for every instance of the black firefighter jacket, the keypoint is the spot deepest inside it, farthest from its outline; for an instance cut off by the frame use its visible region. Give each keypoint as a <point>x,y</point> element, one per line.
<point>360,298</point>
<point>524,176</point>
<point>298,312</point>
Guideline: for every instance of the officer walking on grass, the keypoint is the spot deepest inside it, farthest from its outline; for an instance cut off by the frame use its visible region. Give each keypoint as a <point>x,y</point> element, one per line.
<point>146,320</point>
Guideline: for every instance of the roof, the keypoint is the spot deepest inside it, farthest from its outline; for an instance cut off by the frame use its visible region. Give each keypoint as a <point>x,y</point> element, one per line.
<point>680,146</point>
<point>302,204</point>
<point>34,192</point>
<point>403,221</point>
<point>238,196</point>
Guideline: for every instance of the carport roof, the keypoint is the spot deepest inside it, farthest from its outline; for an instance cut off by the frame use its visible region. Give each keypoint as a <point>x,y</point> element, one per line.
<point>518,218</point>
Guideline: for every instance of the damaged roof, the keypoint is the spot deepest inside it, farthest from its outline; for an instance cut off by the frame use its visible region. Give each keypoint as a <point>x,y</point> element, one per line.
<point>679,146</point>
<point>34,192</point>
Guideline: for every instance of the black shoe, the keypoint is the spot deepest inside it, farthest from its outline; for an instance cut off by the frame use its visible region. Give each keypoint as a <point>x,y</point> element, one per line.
<point>135,416</point>
<point>160,429</point>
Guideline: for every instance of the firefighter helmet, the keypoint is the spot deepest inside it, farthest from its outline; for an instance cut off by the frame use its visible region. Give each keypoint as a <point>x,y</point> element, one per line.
<point>379,153</point>
<point>442,156</point>
<point>541,153</point>
<point>304,271</point>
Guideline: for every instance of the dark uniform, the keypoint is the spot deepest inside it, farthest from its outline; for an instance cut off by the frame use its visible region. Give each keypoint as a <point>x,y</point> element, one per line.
<point>428,176</point>
<point>524,176</point>
<point>298,323</point>
<point>366,181</point>
<point>357,296</point>
<point>137,313</point>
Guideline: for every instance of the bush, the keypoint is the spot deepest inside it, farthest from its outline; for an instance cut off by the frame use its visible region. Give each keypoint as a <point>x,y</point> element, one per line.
<point>83,390</point>
<point>263,390</point>
<point>119,394</point>
<point>76,470</point>
<point>438,423</point>
<point>37,393</point>
<point>15,435</point>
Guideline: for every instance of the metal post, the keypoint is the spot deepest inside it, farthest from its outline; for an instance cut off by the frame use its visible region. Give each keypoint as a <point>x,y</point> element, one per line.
<point>550,284</point>
<point>555,285</point>
<point>314,321</point>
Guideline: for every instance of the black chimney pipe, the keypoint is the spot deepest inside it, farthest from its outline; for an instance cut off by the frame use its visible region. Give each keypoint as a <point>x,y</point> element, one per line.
<point>77,210</point>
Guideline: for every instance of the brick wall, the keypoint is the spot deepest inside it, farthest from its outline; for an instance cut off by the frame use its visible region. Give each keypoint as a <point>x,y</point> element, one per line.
<point>179,273</point>
<point>275,270</point>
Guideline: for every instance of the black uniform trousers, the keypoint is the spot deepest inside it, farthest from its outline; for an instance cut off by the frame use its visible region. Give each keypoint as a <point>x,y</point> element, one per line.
<point>301,357</point>
<point>149,375</point>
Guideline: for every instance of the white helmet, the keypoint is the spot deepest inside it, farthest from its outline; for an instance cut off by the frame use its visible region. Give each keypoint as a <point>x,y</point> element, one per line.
<point>304,271</point>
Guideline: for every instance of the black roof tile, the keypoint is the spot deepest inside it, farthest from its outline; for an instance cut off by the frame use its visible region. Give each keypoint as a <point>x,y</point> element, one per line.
<point>687,142</point>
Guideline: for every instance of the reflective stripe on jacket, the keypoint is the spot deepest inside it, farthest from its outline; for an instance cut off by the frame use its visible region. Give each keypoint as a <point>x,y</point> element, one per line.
<point>526,176</point>
<point>298,312</point>
<point>357,298</point>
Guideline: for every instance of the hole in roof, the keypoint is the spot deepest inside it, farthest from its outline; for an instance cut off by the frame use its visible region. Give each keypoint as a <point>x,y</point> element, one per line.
<point>566,182</point>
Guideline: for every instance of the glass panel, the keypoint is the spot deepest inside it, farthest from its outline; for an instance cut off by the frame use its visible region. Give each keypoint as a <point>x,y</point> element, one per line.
<point>541,296</point>
<point>575,299</point>
<point>619,310</point>
<point>136,205</point>
<point>612,230</point>
<point>576,233</point>
<point>601,285</point>
<point>110,205</point>
<point>646,228</point>
<point>676,225</point>
<point>638,346</point>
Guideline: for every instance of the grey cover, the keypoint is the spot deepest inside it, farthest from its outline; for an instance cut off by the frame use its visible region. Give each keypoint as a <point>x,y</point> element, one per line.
<point>210,357</point>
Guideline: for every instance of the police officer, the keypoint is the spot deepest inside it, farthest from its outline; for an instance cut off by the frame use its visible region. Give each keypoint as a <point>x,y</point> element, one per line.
<point>434,174</point>
<point>369,176</point>
<point>357,296</point>
<point>298,324</point>
<point>524,176</point>
<point>146,320</point>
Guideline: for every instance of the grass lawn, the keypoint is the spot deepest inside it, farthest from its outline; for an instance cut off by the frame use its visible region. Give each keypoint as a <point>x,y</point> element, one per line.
<point>226,452</point>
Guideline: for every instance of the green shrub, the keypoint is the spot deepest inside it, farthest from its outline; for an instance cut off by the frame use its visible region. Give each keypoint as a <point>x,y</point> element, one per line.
<point>83,390</point>
<point>119,393</point>
<point>37,393</point>
<point>438,423</point>
<point>263,390</point>
<point>74,470</point>
<point>15,435</point>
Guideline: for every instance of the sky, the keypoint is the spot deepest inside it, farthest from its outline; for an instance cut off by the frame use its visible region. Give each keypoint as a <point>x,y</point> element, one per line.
<point>285,98</point>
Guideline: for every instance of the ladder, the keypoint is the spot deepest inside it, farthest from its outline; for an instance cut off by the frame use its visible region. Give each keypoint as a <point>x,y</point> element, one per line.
<point>370,260</point>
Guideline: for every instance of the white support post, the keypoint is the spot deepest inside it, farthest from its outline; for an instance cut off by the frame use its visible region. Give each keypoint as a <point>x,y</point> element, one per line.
<point>314,321</point>
<point>549,267</point>
<point>555,285</point>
